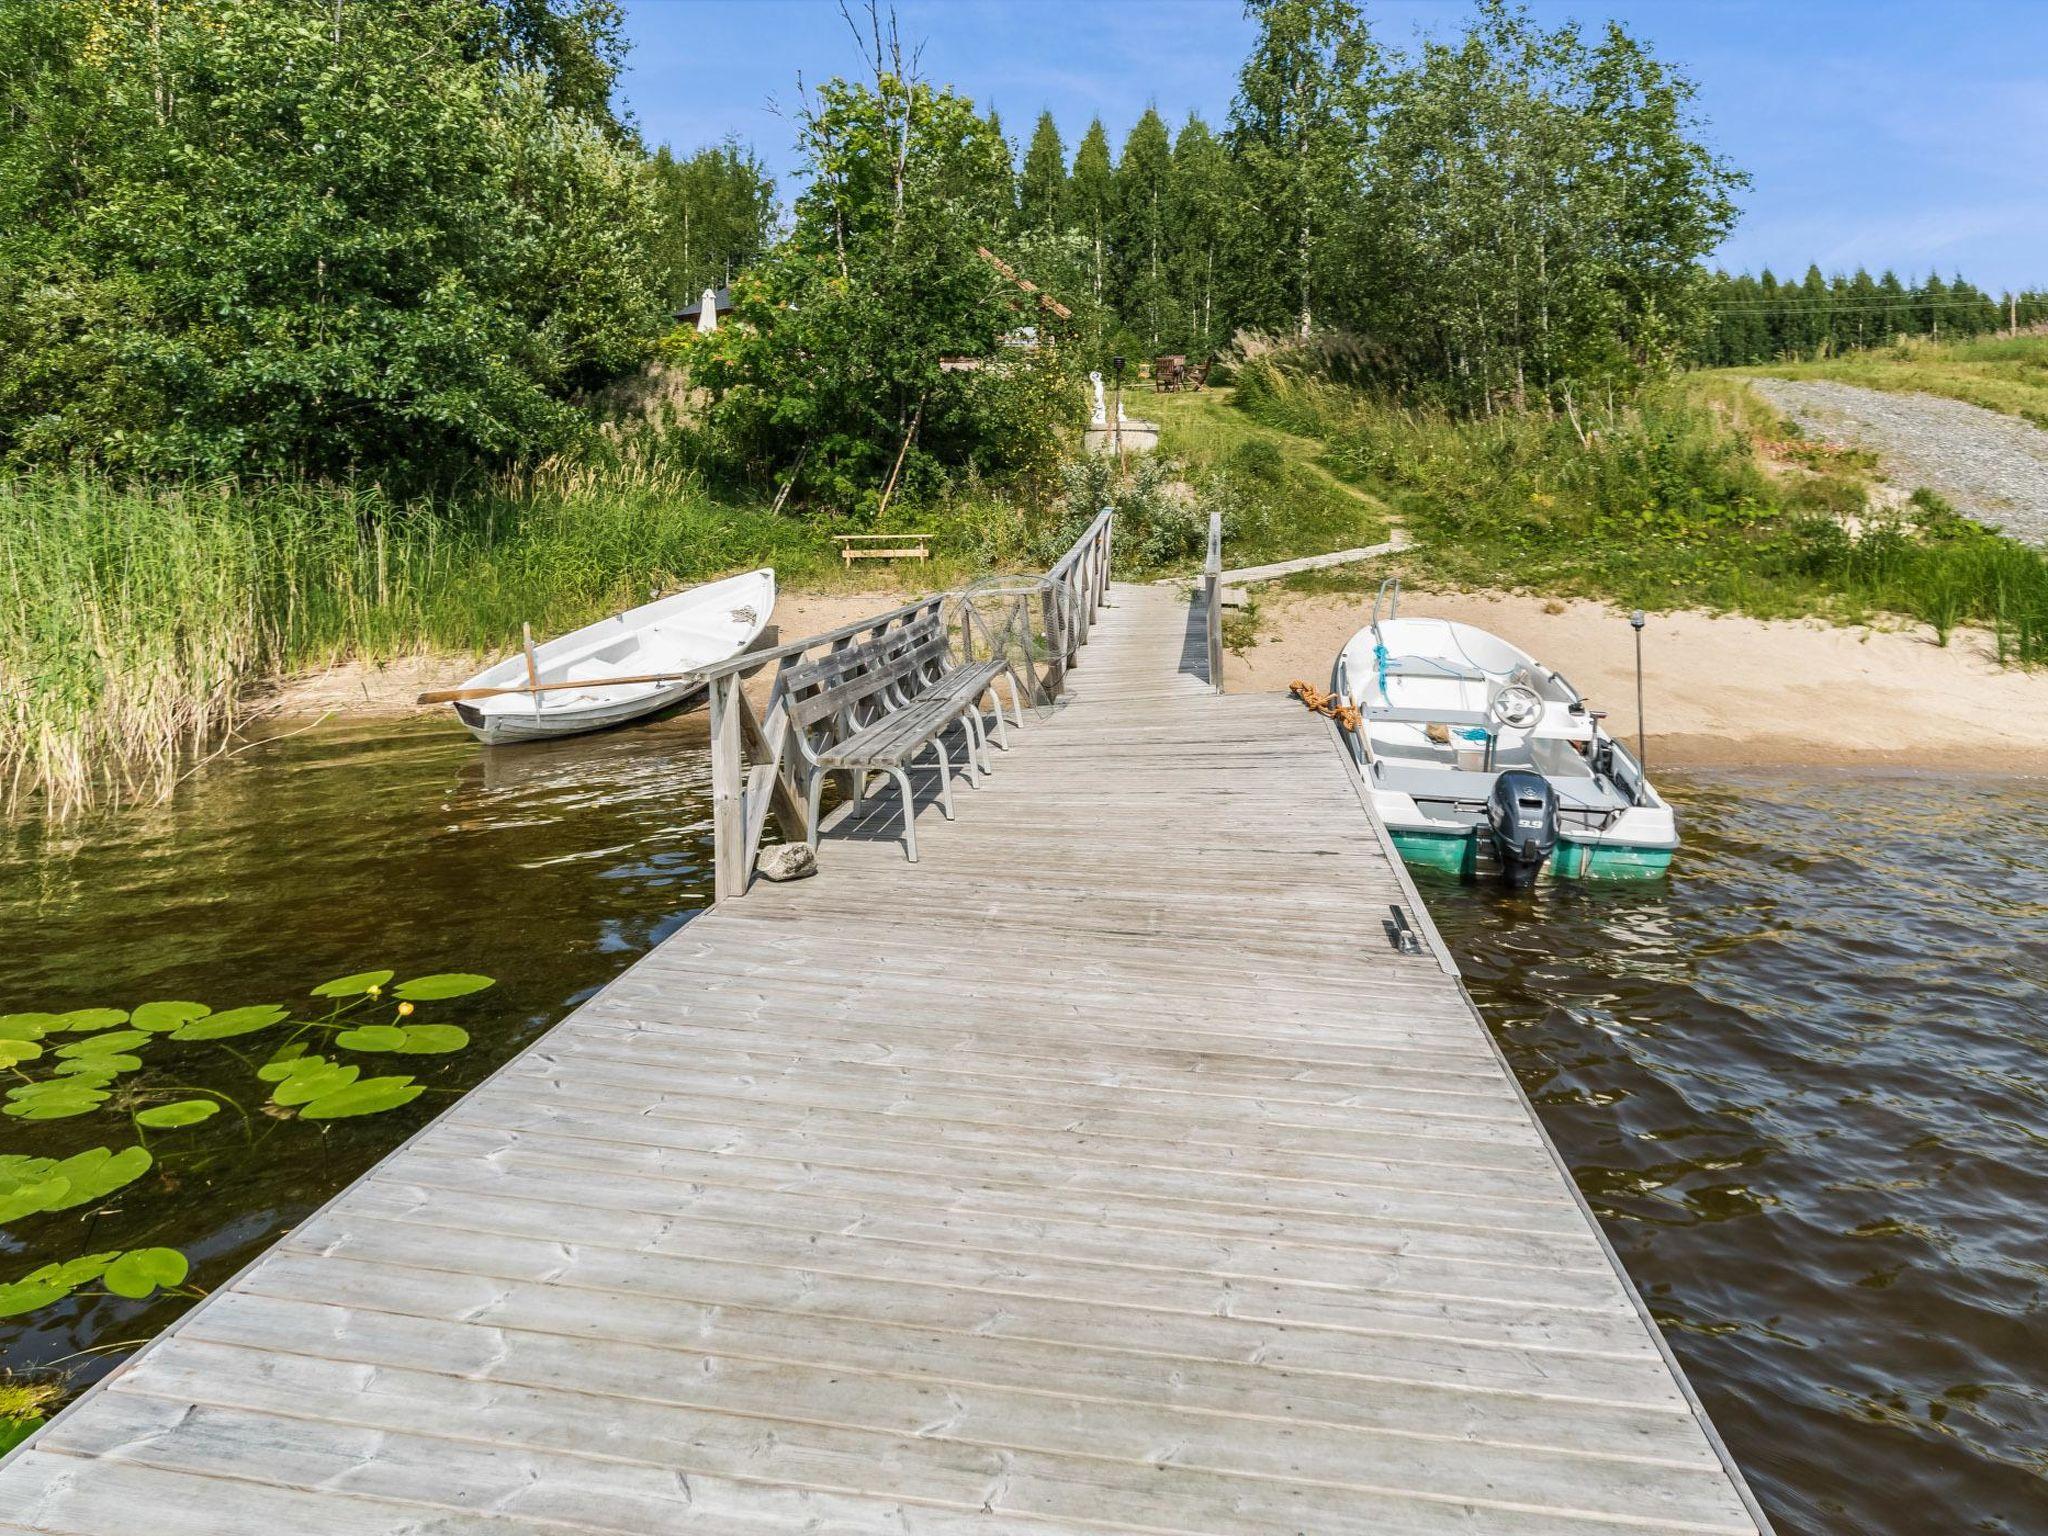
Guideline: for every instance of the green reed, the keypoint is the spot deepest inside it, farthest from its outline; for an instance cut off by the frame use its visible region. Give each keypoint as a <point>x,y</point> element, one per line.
<point>130,618</point>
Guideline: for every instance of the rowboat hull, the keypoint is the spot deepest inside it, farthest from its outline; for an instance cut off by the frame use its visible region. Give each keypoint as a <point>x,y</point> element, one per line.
<point>507,729</point>
<point>680,634</point>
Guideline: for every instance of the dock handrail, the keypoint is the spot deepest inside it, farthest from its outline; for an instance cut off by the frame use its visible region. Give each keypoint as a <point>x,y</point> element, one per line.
<point>753,769</point>
<point>1212,604</point>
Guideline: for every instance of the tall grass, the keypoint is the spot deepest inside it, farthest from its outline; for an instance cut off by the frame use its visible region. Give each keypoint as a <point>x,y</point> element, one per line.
<point>131,617</point>
<point>1664,502</point>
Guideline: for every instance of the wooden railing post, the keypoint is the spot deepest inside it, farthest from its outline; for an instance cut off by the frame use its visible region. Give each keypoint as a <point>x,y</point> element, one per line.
<point>728,791</point>
<point>1212,582</point>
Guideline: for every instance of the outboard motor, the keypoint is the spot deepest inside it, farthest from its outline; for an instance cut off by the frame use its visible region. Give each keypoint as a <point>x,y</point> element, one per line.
<point>1521,814</point>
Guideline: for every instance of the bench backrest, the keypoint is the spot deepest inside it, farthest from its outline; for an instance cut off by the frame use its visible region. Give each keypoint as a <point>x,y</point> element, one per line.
<point>838,694</point>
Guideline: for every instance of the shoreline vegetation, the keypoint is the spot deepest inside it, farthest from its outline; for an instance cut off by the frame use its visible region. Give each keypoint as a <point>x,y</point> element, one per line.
<point>357,342</point>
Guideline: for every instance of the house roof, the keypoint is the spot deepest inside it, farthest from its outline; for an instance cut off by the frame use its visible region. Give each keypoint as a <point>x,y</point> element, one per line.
<point>721,299</point>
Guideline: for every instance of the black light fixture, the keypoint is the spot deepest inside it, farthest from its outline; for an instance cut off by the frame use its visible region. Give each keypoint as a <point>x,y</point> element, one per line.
<point>1636,622</point>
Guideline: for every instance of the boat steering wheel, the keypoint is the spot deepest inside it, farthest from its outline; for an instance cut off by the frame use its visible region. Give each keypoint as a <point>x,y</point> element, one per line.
<point>1516,707</point>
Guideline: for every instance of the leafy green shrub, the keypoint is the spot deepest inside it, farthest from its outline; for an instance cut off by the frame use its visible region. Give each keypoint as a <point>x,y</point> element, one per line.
<point>253,239</point>
<point>1157,523</point>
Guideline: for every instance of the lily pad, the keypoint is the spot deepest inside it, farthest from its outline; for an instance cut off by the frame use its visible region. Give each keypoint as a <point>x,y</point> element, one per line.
<point>140,1271</point>
<point>162,1018</point>
<point>14,1052</point>
<point>236,1021</point>
<point>430,989</point>
<point>53,1282</point>
<point>357,985</point>
<point>81,1020</point>
<point>103,1045</point>
<point>103,1067</point>
<point>57,1099</point>
<point>285,1060</point>
<point>25,1295</point>
<point>25,1026</point>
<point>372,1095</point>
<point>372,1037</point>
<point>168,1117</point>
<point>98,1172</point>
<point>304,1087</point>
<point>29,1185</point>
<point>433,1039</point>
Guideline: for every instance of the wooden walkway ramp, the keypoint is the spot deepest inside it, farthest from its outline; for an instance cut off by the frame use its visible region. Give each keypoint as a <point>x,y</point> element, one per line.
<point>1106,1171</point>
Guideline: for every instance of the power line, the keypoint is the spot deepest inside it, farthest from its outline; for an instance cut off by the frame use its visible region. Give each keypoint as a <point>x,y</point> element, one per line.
<point>1889,303</point>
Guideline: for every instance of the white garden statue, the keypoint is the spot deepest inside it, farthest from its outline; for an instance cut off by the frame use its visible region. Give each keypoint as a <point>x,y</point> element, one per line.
<point>1101,416</point>
<point>707,313</point>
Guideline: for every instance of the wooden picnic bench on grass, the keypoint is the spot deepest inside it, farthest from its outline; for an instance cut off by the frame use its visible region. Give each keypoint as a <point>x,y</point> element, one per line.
<point>899,546</point>
<point>876,706</point>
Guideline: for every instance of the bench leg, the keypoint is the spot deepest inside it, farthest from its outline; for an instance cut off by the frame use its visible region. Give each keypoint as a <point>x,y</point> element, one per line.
<point>971,739</point>
<point>995,697</point>
<point>909,814</point>
<point>945,777</point>
<point>814,795</point>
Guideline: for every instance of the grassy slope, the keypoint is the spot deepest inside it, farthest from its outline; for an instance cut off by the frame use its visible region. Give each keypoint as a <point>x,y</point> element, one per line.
<point>1292,503</point>
<point>2009,376</point>
<point>1691,497</point>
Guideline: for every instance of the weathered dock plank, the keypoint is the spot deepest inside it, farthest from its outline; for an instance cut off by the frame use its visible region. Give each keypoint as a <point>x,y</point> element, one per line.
<point>1106,1170</point>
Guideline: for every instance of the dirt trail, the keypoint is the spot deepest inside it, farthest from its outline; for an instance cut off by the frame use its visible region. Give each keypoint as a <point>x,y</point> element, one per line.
<point>1993,467</point>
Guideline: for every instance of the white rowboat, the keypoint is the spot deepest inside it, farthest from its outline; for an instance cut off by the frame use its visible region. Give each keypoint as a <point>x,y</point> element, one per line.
<point>680,634</point>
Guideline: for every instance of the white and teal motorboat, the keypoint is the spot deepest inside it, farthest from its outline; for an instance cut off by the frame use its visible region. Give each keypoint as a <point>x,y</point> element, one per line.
<point>1479,757</point>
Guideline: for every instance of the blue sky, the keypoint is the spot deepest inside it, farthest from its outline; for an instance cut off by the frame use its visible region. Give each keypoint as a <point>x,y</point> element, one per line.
<point>1886,134</point>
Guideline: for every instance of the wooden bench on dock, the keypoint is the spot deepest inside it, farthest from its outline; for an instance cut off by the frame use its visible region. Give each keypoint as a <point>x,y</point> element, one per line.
<point>878,705</point>
<point>893,546</point>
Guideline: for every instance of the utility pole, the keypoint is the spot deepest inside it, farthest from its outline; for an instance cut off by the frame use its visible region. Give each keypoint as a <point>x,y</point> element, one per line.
<point>2012,312</point>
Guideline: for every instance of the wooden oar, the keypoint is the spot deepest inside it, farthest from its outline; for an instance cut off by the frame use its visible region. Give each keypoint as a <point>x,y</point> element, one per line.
<point>454,695</point>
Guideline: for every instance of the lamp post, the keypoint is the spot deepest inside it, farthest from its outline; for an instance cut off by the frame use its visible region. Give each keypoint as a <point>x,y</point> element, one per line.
<point>1636,622</point>
<point>1116,371</point>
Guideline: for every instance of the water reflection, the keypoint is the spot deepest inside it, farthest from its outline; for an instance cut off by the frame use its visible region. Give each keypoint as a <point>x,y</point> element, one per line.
<point>1803,1083</point>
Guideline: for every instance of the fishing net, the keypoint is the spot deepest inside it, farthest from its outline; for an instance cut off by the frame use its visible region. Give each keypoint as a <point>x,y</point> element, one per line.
<point>1024,620</point>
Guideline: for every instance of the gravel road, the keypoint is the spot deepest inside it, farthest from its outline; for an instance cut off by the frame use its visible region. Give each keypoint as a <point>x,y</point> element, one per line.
<point>1993,467</point>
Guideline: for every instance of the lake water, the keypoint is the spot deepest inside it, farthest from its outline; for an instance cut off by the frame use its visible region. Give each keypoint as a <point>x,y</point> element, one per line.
<point>1802,1080</point>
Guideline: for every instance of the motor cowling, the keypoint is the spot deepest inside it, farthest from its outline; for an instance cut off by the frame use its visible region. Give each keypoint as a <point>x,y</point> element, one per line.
<point>1521,816</point>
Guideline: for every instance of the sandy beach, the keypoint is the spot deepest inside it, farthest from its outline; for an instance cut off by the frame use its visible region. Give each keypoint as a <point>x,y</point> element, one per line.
<point>1721,691</point>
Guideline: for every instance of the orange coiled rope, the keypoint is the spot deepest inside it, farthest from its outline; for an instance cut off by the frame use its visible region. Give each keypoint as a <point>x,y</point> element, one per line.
<point>1325,704</point>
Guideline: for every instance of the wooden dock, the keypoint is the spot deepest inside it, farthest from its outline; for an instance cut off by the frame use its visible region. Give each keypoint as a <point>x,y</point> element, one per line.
<point>1106,1171</point>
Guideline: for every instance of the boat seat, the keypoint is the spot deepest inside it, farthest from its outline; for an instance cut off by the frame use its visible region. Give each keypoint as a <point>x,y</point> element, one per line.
<point>1425,666</point>
<point>1464,785</point>
<point>1440,715</point>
